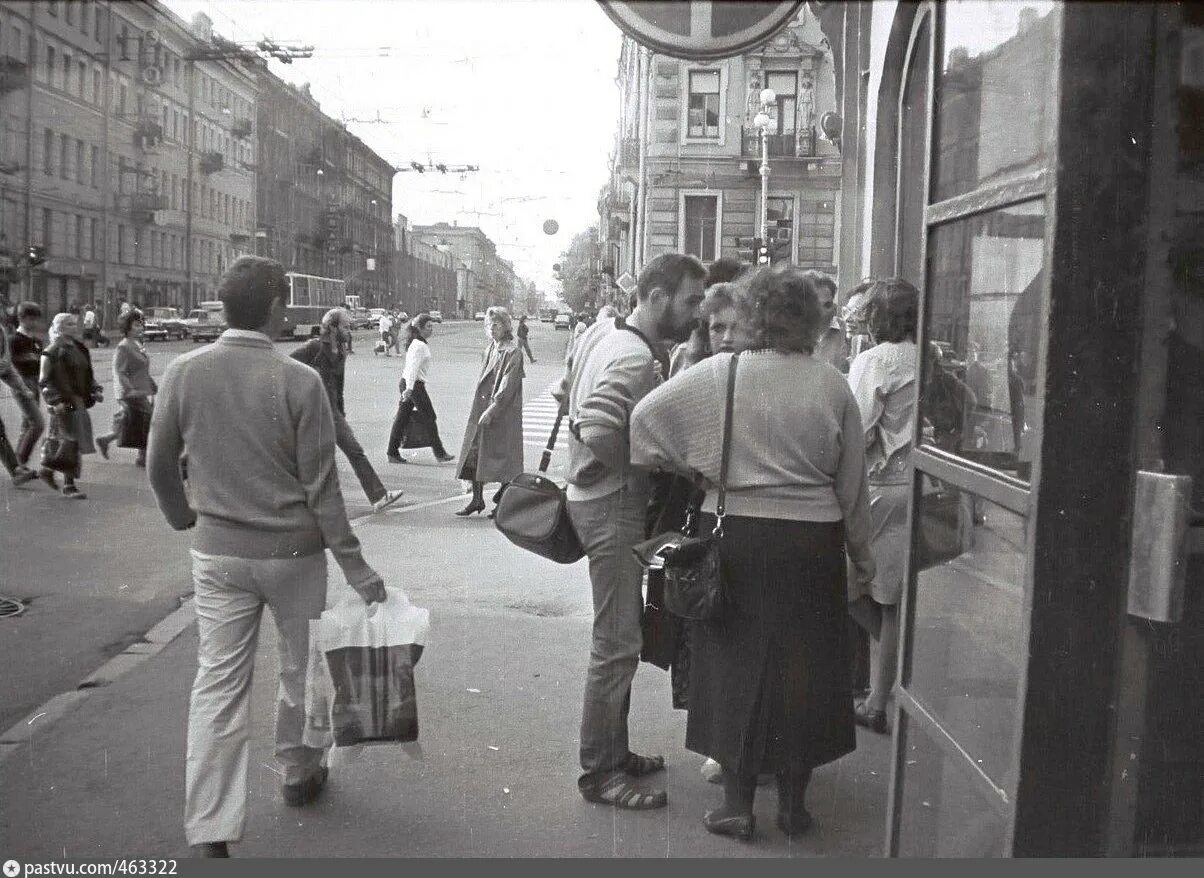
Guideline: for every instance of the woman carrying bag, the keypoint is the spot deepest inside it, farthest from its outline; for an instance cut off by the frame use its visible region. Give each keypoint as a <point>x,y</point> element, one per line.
<point>769,674</point>
<point>493,439</point>
<point>135,387</point>
<point>415,402</point>
<point>70,389</point>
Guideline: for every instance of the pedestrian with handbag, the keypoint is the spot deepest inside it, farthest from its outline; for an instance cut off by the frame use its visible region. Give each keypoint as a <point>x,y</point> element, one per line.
<point>492,450</point>
<point>135,387</point>
<point>415,403</point>
<point>613,369</point>
<point>769,669</point>
<point>70,389</point>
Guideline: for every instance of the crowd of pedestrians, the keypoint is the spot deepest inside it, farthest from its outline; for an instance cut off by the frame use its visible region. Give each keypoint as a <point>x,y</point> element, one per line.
<point>812,532</point>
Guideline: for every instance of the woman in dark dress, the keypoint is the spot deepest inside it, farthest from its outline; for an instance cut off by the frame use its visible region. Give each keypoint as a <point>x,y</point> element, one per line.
<point>769,678</point>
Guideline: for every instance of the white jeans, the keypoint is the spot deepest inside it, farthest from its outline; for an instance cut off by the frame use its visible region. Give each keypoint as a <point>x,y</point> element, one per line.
<point>230,596</point>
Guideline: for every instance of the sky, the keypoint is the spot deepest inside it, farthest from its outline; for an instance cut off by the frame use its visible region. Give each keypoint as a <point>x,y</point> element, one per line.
<point>523,89</point>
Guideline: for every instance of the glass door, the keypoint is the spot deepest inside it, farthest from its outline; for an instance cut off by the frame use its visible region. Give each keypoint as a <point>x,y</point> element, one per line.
<point>975,139</point>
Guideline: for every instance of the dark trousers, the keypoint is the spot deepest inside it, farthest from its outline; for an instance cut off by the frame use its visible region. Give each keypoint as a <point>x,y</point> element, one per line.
<point>8,457</point>
<point>526,346</point>
<point>420,401</point>
<point>33,423</point>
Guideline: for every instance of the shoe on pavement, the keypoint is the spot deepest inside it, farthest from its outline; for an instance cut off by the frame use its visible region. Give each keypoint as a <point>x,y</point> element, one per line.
<point>210,849</point>
<point>445,458</point>
<point>302,793</point>
<point>397,458</point>
<point>47,476</point>
<point>386,501</point>
<point>102,445</point>
<point>23,474</point>
<point>73,493</point>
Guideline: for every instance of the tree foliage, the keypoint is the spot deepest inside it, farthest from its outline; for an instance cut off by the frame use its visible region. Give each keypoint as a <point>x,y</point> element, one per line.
<point>578,270</point>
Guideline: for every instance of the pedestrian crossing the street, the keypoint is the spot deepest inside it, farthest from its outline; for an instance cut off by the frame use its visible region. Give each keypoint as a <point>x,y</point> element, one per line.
<point>539,415</point>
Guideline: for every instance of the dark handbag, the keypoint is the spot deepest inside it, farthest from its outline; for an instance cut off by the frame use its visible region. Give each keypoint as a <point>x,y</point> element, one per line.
<point>939,538</point>
<point>135,426</point>
<point>420,430</point>
<point>60,451</point>
<point>693,580</point>
<point>533,512</point>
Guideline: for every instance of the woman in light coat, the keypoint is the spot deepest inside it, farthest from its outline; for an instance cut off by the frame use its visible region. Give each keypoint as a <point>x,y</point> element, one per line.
<point>493,440</point>
<point>135,387</point>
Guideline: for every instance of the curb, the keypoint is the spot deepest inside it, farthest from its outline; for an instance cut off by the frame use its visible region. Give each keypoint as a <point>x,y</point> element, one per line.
<point>152,643</point>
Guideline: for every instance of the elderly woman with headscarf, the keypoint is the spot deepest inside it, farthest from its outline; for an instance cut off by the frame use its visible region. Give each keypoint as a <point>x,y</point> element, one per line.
<point>769,678</point>
<point>327,355</point>
<point>70,389</point>
<point>493,439</point>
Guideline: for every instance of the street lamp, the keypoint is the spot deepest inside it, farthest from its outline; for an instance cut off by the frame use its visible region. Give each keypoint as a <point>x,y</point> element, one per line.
<point>762,121</point>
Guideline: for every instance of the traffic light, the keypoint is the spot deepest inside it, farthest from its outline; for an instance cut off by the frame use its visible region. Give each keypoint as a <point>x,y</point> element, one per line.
<point>35,255</point>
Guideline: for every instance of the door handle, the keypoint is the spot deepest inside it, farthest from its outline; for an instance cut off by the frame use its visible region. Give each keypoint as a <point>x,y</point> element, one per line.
<point>1160,546</point>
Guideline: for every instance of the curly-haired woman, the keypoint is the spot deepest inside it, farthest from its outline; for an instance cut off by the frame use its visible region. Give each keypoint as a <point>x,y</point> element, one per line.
<point>769,678</point>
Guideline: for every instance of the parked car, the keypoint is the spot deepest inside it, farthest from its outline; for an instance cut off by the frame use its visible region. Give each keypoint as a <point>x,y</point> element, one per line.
<point>562,321</point>
<point>163,323</point>
<point>361,318</point>
<point>437,316</point>
<point>376,314</point>
<point>480,315</point>
<point>204,324</point>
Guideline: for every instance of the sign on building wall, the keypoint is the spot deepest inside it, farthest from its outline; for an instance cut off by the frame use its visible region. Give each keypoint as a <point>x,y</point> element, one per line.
<point>701,29</point>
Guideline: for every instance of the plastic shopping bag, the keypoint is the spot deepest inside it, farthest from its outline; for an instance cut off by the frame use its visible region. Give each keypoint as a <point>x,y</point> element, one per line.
<point>361,686</point>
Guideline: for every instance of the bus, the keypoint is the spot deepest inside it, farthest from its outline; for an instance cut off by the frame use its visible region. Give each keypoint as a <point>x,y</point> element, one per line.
<point>309,297</point>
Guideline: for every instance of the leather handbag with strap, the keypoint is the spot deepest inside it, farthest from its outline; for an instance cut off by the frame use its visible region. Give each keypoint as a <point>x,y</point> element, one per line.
<point>533,512</point>
<point>693,582</point>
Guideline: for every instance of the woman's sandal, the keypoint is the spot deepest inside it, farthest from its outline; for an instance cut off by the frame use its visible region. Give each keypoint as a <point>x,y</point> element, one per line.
<point>618,791</point>
<point>638,766</point>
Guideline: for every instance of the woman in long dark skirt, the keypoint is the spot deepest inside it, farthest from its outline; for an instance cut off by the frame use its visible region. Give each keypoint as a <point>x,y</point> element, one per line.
<point>769,678</point>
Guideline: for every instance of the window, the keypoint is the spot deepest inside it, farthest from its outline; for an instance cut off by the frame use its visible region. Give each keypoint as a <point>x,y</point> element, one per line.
<point>700,221</point>
<point>82,82</point>
<point>52,7</point>
<point>817,220</point>
<point>69,12</point>
<point>121,243</point>
<point>48,230</point>
<point>702,113</point>
<point>96,31</point>
<point>79,161</point>
<point>67,66</point>
<point>98,246</point>
<point>124,42</point>
<point>122,94</point>
<point>50,60</point>
<point>79,237</point>
<point>84,10</point>
<point>64,154</point>
<point>94,170</point>
<point>785,86</point>
<point>48,153</point>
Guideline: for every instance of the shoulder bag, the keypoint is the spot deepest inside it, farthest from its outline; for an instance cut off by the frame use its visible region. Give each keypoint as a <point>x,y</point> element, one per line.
<point>693,582</point>
<point>533,512</point>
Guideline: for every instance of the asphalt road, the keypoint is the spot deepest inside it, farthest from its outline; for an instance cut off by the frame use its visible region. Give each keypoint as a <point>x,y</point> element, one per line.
<point>97,574</point>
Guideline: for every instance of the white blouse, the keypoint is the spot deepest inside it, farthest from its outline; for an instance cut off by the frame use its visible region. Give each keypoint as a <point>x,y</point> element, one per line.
<point>883,380</point>
<point>418,362</point>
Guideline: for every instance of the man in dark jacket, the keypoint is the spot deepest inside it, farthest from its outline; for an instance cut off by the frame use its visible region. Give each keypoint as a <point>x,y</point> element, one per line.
<point>326,355</point>
<point>522,332</point>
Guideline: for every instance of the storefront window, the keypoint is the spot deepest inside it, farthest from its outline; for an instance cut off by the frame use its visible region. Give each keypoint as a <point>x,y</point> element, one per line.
<point>980,399</point>
<point>995,99</point>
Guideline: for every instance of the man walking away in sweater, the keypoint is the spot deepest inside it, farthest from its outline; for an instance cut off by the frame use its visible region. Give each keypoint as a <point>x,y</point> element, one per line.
<point>611,372</point>
<point>264,500</point>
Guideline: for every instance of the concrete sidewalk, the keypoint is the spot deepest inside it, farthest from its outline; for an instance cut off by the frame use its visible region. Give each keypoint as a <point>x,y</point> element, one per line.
<point>499,697</point>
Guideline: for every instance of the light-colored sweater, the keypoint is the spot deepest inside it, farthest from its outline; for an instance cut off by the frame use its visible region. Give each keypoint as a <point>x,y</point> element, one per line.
<point>883,380</point>
<point>613,369</point>
<point>258,432</point>
<point>797,452</point>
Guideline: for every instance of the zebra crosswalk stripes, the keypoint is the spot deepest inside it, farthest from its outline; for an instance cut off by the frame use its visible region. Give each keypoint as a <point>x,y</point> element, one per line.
<point>539,415</point>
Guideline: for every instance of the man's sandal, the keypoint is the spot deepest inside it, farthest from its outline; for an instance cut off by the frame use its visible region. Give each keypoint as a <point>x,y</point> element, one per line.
<point>638,766</point>
<point>619,792</point>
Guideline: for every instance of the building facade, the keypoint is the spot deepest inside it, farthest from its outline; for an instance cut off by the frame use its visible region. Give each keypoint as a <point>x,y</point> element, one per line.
<point>488,279</point>
<point>428,278</point>
<point>324,196</point>
<point>127,153</point>
<point>685,172</point>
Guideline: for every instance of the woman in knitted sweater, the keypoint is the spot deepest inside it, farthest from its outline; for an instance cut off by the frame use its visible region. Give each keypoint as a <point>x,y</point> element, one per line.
<point>769,679</point>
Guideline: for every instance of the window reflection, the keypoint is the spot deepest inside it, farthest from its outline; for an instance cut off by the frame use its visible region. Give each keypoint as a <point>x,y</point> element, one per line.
<point>980,398</point>
<point>967,645</point>
<point>995,100</point>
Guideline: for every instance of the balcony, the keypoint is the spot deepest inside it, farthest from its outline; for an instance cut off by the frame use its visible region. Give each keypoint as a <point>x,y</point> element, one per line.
<point>148,134</point>
<point>211,162</point>
<point>241,128</point>
<point>150,201</point>
<point>800,145</point>
<point>14,74</point>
